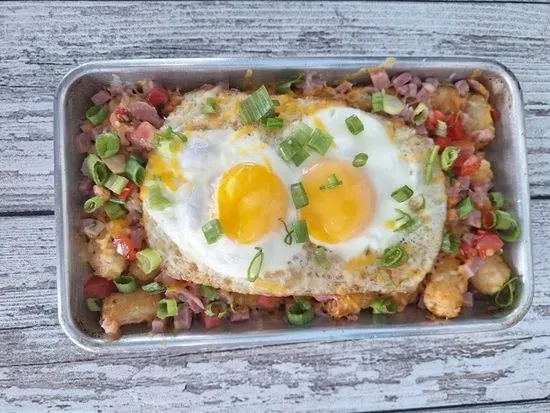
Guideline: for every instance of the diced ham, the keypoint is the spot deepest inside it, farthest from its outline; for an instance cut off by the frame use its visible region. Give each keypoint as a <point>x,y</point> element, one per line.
<point>409,90</point>
<point>462,87</point>
<point>429,87</point>
<point>101,97</point>
<point>422,94</point>
<point>268,303</point>
<point>380,79</point>
<point>463,182</point>
<point>184,319</point>
<point>471,266</point>
<point>158,326</point>
<point>137,235</point>
<point>452,191</point>
<point>484,136</point>
<point>185,295</point>
<point>157,96</point>
<point>142,136</point>
<point>324,298</point>
<point>402,79</point>
<point>91,227</point>
<point>482,186</point>
<point>210,321</point>
<point>86,186</point>
<point>242,314</point>
<point>416,80</point>
<point>313,83</point>
<point>146,112</point>
<point>83,142</point>
<point>474,219</point>
<point>433,80</point>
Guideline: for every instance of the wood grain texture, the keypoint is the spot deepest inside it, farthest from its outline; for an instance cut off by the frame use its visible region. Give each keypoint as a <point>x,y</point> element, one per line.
<point>33,61</point>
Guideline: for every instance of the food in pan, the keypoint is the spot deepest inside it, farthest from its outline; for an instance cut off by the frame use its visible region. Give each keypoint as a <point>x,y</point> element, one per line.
<point>299,198</point>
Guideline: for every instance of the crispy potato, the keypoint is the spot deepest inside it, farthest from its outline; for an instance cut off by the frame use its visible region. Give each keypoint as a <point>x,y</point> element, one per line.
<point>404,299</point>
<point>492,276</point>
<point>445,286</point>
<point>344,305</point>
<point>479,114</point>
<point>359,98</point>
<point>445,99</point>
<point>131,308</point>
<point>104,259</point>
<point>483,173</point>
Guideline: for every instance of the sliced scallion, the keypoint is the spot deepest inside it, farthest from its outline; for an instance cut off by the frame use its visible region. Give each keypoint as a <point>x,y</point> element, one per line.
<point>212,231</point>
<point>377,102</point>
<point>513,231</point>
<point>155,199</point>
<point>288,148</point>
<point>300,232</point>
<point>428,171</point>
<point>503,220</point>
<point>505,297</point>
<point>210,106</point>
<point>274,123</point>
<point>441,128</point>
<point>354,124</point>
<point>402,194</point>
<point>448,157</point>
<point>420,114</point>
<point>117,201</point>
<point>320,141</point>
<point>135,171</point>
<point>93,204</point>
<point>126,284</point>
<point>385,305</point>
<point>208,292</point>
<point>96,169</point>
<point>93,304</point>
<point>107,144</point>
<point>286,87</point>
<point>320,255</point>
<point>97,115</point>
<point>167,307</point>
<point>216,309</point>
<point>497,199</point>
<point>450,243</point>
<point>299,196</point>
<point>394,256</point>
<point>301,133</point>
<point>300,313</point>
<point>114,210</point>
<point>332,182</point>
<point>360,160</point>
<point>406,223</point>
<point>465,207</point>
<point>148,260</point>
<point>300,157</point>
<point>154,288</point>
<point>116,183</point>
<point>256,106</point>
<point>255,265</point>
<point>392,105</point>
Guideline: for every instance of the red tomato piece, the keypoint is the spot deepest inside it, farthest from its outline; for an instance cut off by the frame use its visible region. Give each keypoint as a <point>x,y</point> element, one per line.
<point>433,117</point>
<point>268,303</point>
<point>467,250</point>
<point>125,193</point>
<point>455,131</point>
<point>125,247</point>
<point>157,96</point>
<point>99,287</point>
<point>210,321</point>
<point>471,165</point>
<point>442,142</point>
<point>487,243</point>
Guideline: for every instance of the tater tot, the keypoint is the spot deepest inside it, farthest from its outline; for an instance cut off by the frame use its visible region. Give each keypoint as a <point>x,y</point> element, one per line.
<point>104,259</point>
<point>445,99</point>
<point>445,287</point>
<point>483,173</point>
<point>344,305</point>
<point>491,276</point>
<point>131,308</point>
<point>479,114</point>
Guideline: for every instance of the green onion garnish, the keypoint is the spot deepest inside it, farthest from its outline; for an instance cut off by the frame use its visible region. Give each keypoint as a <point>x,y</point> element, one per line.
<point>116,200</point>
<point>392,105</point>
<point>503,220</point>
<point>300,232</point>
<point>420,114</point>
<point>288,148</point>
<point>301,133</point>
<point>92,204</point>
<point>441,129</point>
<point>107,144</point>
<point>512,231</point>
<point>212,231</point>
<point>300,157</point>
<point>168,135</point>
<point>497,199</point>
<point>134,171</point>
<point>300,313</point>
<point>299,196</point>
<point>96,169</point>
<point>255,265</point>
<point>155,199</point>
<point>465,207</point>
<point>209,106</point>
<point>216,309</point>
<point>448,157</point>
<point>320,255</point>
<point>430,164</point>
<point>208,292</point>
<point>402,194</point>
<point>148,260</point>
<point>114,210</point>
<point>167,307</point>
<point>360,160</point>
<point>256,106</point>
<point>320,141</point>
<point>126,284</point>
<point>332,182</point>
<point>288,236</point>
<point>97,114</point>
<point>274,123</point>
<point>116,183</point>
<point>406,222</point>
<point>417,203</point>
<point>504,297</point>
<point>383,306</point>
<point>377,102</point>
<point>354,124</point>
<point>154,288</point>
<point>286,87</point>
<point>450,243</point>
<point>394,256</point>
<point>93,304</point>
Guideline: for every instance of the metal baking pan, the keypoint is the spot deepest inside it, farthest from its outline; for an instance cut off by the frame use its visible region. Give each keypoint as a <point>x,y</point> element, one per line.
<point>72,98</point>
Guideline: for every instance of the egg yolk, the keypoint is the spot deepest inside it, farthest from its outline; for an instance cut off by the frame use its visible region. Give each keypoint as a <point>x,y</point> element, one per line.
<point>251,202</point>
<point>340,212</point>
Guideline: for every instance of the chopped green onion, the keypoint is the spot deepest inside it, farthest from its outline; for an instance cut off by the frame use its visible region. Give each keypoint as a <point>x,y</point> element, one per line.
<point>97,114</point>
<point>255,265</point>
<point>216,309</point>
<point>402,194</point>
<point>300,232</point>
<point>512,231</point>
<point>168,134</point>
<point>394,256</point>
<point>505,297</point>
<point>465,207</point>
<point>430,164</point>
<point>360,160</point>
<point>300,313</point>
<point>354,124</point>
<point>288,148</point>
<point>93,304</point>
<point>441,129</point>
<point>332,182</point>
<point>148,260</point>
<point>286,87</point>
<point>497,199</point>
<point>450,243</point>
<point>167,307</point>
<point>383,306</point>
<point>116,183</point>
<point>301,133</point>
<point>300,157</point>
<point>274,123</point>
<point>320,141</point>
<point>155,199</point>
<point>377,102</point>
<point>299,196</point>
<point>417,203</point>
<point>92,204</point>
<point>154,288</point>
<point>256,106</point>
<point>320,255</point>
<point>212,231</point>
<point>117,201</point>
<point>96,169</point>
<point>276,102</point>
<point>113,210</point>
<point>288,236</point>
<point>134,171</point>
<point>392,105</point>
<point>420,114</point>
<point>406,222</point>
<point>503,220</point>
<point>210,106</point>
<point>448,157</point>
<point>107,144</point>
<point>126,284</point>
<point>208,292</point>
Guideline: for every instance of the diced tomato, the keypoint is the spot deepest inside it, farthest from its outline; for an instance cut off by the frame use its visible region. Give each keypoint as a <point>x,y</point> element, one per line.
<point>454,127</point>
<point>487,243</point>
<point>442,142</point>
<point>157,96</point>
<point>268,303</point>
<point>126,191</point>
<point>125,247</point>
<point>99,287</point>
<point>210,321</point>
<point>471,165</point>
<point>433,117</point>
<point>467,250</point>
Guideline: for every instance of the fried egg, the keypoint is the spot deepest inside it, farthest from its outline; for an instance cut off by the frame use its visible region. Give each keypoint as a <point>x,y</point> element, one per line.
<point>232,172</point>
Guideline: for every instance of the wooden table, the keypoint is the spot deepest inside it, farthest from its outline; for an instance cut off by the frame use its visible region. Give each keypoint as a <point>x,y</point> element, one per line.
<point>41,370</point>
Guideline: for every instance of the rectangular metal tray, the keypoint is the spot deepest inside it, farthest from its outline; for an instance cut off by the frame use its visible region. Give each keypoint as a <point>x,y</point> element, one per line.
<point>72,99</point>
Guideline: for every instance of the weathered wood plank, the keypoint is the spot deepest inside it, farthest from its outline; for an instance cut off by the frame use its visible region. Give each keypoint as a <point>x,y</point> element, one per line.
<point>33,62</point>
